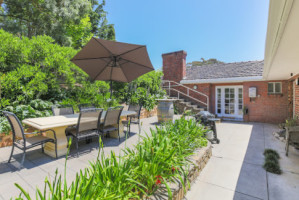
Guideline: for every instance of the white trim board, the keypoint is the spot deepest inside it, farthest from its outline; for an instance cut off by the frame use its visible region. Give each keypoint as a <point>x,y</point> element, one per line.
<point>224,80</point>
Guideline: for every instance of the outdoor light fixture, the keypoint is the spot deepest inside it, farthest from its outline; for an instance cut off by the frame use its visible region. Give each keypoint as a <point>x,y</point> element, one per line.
<point>195,87</point>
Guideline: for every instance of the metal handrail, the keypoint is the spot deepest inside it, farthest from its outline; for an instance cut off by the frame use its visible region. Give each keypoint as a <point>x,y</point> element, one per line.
<point>170,87</point>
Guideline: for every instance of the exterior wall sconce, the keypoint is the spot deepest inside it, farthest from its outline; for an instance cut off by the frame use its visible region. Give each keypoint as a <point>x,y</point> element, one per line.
<point>195,87</point>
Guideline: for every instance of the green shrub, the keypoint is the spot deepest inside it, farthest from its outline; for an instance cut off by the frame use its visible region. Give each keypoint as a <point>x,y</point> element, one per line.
<point>37,68</point>
<point>144,90</point>
<point>159,158</point>
<point>271,163</point>
<point>269,152</point>
<point>272,166</point>
<point>35,108</point>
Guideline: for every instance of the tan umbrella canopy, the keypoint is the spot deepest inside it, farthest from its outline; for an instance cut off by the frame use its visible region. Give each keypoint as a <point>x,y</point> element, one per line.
<point>113,61</point>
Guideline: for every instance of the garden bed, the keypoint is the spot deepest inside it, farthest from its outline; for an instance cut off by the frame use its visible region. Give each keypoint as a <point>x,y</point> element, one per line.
<point>199,159</point>
<point>160,164</point>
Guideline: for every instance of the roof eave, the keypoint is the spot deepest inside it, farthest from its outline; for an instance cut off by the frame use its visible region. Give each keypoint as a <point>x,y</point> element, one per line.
<point>275,30</point>
<point>223,80</point>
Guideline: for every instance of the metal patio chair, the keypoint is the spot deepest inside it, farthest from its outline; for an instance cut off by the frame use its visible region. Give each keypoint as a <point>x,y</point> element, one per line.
<point>19,137</point>
<point>62,110</point>
<point>111,119</point>
<point>86,106</point>
<point>87,125</point>
<point>292,137</point>
<point>133,119</point>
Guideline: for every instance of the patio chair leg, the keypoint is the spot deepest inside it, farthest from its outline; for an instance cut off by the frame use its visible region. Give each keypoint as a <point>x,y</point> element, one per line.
<point>129,129</point>
<point>56,149</point>
<point>139,128</point>
<point>77,147</point>
<point>11,153</point>
<point>118,135</point>
<point>42,148</point>
<point>23,159</point>
<point>287,148</point>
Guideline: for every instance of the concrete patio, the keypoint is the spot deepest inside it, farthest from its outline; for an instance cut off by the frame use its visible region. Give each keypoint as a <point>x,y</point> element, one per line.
<point>235,169</point>
<point>37,165</point>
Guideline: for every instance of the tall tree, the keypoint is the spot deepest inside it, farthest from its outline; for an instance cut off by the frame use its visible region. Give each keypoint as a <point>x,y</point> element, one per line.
<point>99,22</point>
<point>68,22</point>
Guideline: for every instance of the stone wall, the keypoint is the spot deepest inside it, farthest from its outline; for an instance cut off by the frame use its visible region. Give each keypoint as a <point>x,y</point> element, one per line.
<point>145,113</point>
<point>200,159</point>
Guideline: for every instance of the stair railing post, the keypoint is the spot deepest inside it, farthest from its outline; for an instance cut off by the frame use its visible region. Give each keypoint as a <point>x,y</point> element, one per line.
<point>188,92</point>
<point>207,103</point>
<point>169,88</point>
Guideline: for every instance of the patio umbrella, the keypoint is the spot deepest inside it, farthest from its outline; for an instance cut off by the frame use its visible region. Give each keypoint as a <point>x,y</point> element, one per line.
<point>113,61</point>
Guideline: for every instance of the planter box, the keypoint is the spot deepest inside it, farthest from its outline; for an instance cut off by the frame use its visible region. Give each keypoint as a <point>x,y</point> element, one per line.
<point>200,159</point>
<point>145,113</point>
<point>5,140</point>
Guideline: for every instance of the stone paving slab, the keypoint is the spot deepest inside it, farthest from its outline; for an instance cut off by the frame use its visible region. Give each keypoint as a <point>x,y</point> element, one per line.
<point>38,166</point>
<point>284,186</point>
<point>235,169</point>
<point>233,172</point>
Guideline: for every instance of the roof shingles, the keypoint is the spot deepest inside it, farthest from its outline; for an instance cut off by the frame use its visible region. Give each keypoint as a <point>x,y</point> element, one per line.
<point>225,70</point>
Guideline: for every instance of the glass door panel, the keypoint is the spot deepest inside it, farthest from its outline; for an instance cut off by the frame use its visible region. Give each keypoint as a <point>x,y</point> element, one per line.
<point>219,101</point>
<point>229,100</point>
<point>240,101</point>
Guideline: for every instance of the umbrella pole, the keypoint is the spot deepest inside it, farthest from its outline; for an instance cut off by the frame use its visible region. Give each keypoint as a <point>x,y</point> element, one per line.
<point>110,89</point>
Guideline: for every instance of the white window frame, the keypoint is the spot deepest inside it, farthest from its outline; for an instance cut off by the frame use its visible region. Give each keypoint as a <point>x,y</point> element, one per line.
<point>274,91</point>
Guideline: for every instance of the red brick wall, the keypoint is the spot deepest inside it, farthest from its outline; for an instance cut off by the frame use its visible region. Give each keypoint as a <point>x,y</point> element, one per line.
<point>265,108</point>
<point>203,88</point>
<point>174,65</point>
<point>296,102</point>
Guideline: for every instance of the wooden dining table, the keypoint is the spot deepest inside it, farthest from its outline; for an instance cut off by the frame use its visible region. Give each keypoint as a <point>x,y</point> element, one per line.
<point>59,124</point>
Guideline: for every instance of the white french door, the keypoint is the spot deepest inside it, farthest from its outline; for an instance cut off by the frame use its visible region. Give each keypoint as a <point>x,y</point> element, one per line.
<point>229,101</point>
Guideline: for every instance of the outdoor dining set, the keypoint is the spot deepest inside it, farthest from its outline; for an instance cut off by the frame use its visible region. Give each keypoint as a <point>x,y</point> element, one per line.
<point>102,60</point>
<point>88,123</point>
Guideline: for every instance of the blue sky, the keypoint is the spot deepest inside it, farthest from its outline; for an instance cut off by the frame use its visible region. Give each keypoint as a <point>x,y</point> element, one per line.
<point>230,30</point>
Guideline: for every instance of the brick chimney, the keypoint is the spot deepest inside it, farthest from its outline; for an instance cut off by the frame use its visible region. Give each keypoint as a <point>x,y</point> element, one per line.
<point>174,65</point>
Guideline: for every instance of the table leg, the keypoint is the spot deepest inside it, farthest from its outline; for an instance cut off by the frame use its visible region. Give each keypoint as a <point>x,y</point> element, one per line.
<point>61,143</point>
<point>114,134</point>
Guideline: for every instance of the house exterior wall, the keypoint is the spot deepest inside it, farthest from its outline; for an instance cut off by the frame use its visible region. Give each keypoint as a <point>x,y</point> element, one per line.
<point>296,100</point>
<point>270,108</point>
<point>203,88</point>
